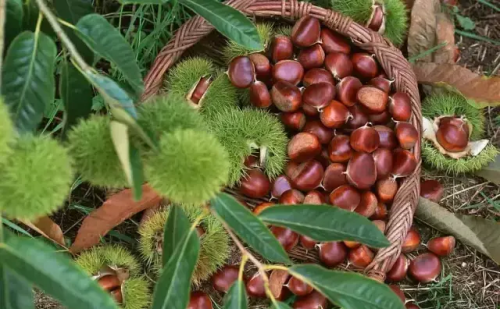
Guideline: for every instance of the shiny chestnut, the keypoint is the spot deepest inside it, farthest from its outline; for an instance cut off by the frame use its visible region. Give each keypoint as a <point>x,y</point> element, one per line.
<point>289,71</point>
<point>339,64</point>
<point>406,134</point>
<point>294,120</point>
<point>241,72</point>
<point>306,31</point>
<point>432,190</point>
<point>339,149</point>
<point>286,96</point>
<point>303,146</point>
<point>361,171</point>
<point>286,237</point>
<point>345,197</point>
<point>259,95</point>
<point>318,95</point>
<point>307,176</point>
<point>334,43</point>
<point>332,253</point>
<point>317,75</point>
<point>334,177</point>
<point>323,133</point>
<point>291,197</point>
<point>347,90</point>
<point>281,48</point>
<point>312,57</point>
<point>255,184</point>
<point>364,65</point>
<point>334,115</point>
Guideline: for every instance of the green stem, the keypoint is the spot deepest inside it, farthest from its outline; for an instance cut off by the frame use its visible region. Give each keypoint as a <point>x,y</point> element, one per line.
<point>496,8</point>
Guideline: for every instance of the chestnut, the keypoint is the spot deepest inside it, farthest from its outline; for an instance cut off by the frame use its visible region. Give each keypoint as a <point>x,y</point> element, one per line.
<point>263,67</point>
<point>288,71</point>
<point>334,176</point>
<point>286,237</point>
<point>345,197</point>
<point>312,57</point>
<point>373,99</point>
<point>286,97</point>
<point>377,19</point>
<point>313,300</point>
<point>225,277</point>
<point>347,90</point>
<point>199,300</point>
<point>398,271</point>
<point>310,110</point>
<point>425,268</point>
<point>259,95</point>
<point>241,72</point>
<point>299,287</point>
<point>381,225</point>
<point>118,296</point>
<point>318,95</point>
<point>398,292</point>
<point>306,31</point>
<point>317,75</point>
<point>406,134</point>
<point>367,204</point>
<point>200,231</point>
<point>332,253</point>
<point>364,65</point>
<point>323,158</point>
<point>277,281</point>
<point>315,197</point>
<point>323,133</point>
<point>333,42</point>
<point>334,115</point>
<point>252,161</point>
<point>400,106</point>
<point>365,139</point>
<point>383,162</point>
<point>386,189</point>
<point>339,149</point>
<point>199,91</point>
<point>303,146</point>
<point>361,256</point>
<point>361,171</point>
<point>381,83</point>
<point>109,282</point>
<point>307,242</point>
<point>339,64</point>
<point>387,137</point>
<point>307,176</point>
<point>255,184</point>
<point>291,197</point>
<point>255,286</point>
<point>442,246</point>
<point>281,48</point>
<point>380,119</point>
<point>259,208</point>
<point>412,241</point>
<point>359,118</point>
<point>432,190</point>
<point>380,212</point>
<point>404,164</point>
<point>453,135</point>
<point>280,185</point>
<point>293,120</point>
<point>351,244</point>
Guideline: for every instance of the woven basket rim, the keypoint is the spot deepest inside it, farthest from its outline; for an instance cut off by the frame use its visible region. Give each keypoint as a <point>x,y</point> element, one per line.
<point>390,58</point>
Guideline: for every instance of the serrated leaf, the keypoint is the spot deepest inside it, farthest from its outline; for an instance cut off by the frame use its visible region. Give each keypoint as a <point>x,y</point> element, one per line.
<point>492,171</point>
<point>107,41</point>
<point>479,233</point>
<point>28,78</point>
<point>325,223</point>
<point>54,273</point>
<point>249,228</point>
<point>76,94</point>
<point>172,288</point>
<point>176,228</point>
<point>348,290</point>
<point>236,297</point>
<point>13,20</point>
<point>15,292</point>
<point>228,21</point>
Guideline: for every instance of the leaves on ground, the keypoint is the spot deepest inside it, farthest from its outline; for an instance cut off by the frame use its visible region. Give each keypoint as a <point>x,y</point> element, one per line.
<point>492,171</point>
<point>445,34</point>
<point>422,31</point>
<point>48,229</point>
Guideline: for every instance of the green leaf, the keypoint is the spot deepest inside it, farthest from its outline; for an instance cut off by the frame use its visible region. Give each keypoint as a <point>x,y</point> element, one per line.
<point>465,22</point>
<point>325,223</point>
<point>172,288</point>
<point>53,273</point>
<point>492,171</point>
<point>236,297</point>
<point>479,233</point>
<point>280,305</point>
<point>249,228</point>
<point>348,290</point>
<point>14,20</point>
<point>28,78</point>
<point>107,41</point>
<point>71,11</point>
<point>15,292</point>
<point>228,21</point>
<point>76,94</point>
<point>176,228</point>
<point>143,1</point>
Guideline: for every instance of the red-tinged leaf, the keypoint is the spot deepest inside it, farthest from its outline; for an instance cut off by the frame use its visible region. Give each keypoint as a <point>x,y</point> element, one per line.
<point>422,31</point>
<point>484,91</point>
<point>445,34</point>
<point>48,229</point>
<point>118,208</point>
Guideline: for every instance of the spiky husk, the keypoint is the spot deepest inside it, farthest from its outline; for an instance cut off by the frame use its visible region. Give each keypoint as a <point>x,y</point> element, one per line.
<point>136,294</point>
<point>239,130</point>
<point>97,258</point>
<point>214,244</point>
<point>220,95</point>
<point>6,131</point>
<point>190,167</point>
<point>185,75</point>
<point>91,147</point>
<point>233,49</point>
<point>360,11</point>
<point>244,97</point>
<point>36,178</point>
<point>285,30</point>
<point>441,104</point>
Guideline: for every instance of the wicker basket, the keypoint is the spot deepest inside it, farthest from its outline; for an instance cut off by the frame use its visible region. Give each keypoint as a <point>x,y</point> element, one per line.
<point>390,58</point>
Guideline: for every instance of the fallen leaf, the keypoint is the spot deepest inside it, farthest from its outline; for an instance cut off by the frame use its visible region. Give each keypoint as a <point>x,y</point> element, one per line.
<point>492,171</point>
<point>484,91</point>
<point>48,229</point>
<point>445,33</point>
<point>422,31</point>
<point>477,232</point>
<point>116,209</point>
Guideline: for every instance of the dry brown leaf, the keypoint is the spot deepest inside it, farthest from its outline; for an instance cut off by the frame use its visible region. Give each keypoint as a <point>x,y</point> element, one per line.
<point>422,32</point>
<point>485,91</point>
<point>445,33</point>
<point>48,229</point>
<point>116,209</point>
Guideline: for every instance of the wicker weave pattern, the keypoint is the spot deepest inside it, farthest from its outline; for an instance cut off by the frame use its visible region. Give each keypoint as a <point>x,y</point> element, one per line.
<point>390,58</point>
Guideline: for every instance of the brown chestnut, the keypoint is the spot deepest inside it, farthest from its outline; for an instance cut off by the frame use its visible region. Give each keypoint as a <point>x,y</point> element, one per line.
<point>299,287</point>
<point>286,97</point>
<point>263,67</point>
<point>425,268</point>
<point>317,75</point>
<point>281,48</point>
<point>359,118</point>
<point>225,277</point>
<point>323,158</point>
<point>351,244</point>
<point>334,176</point>
<point>432,190</point>
<point>380,119</point>
<point>333,42</point>
<point>312,57</point>
<point>377,19</point>
<point>307,176</point>
<point>252,161</point>
<point>339,149</point>
<point>255,286</point>
<point>453,135</point>
<point>291,197</point>
<point>255,184</point>
<point>387,137</point>
<point>286,237</point>
<point>118,296</point>
<point>406,134</point>
<point>303,146</point>
<point>199,300</point>
<point>386,189</point>
<point>347,90</point>
<point>365,139</point>
<point>381,225</point>
<point>109,282</point>
<point>259,95</point>
<point>361,171</point>
<point>383,162</point>
<point>367,204</point>
<point>198,92</point>
<point>361,256</point>
<point>404,164</point>
<point>334,115</point>
<point>306,31</point>
<point>280,185</point>
<point>259,208</point>
<point>318,95</point>
<point>398,292</point>
<point>345,197</point>
<point>400,106</point>
<point>307,242</point>
<point>313,300</point>
<point>294,120</point>
<point>380,212</point>
<point>315,197</point>
<point>412,241</point>
<point>323,133</point>
<point>442,246</point>
<point>288,71</point>
<point>339,64</point>
<point>364,65</point>
<point>373,99</point>
<point>310,110</point>
<point>332,253</point>
<point>398,271</point>
<point>381,83</point>
<point>241,72</point>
